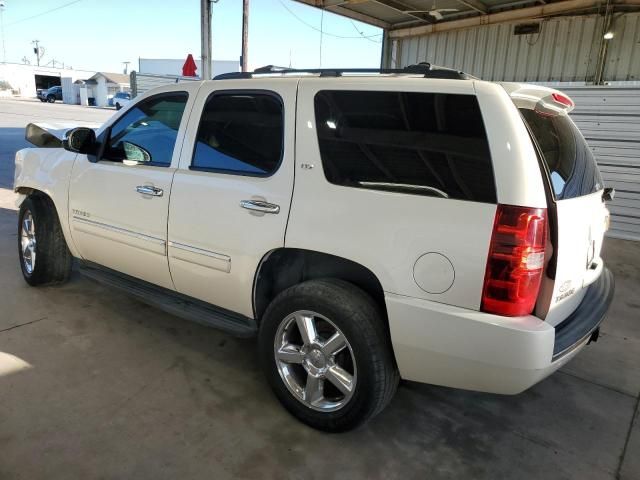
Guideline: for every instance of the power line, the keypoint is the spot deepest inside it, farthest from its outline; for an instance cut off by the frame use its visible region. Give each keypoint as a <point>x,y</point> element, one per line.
<point>44,13</point>
<point>362,33</point>
<point>322,32</point>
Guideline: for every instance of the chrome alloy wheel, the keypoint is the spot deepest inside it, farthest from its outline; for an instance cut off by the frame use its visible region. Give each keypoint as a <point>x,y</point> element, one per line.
<point>315,361</point>
<point>28,242</point>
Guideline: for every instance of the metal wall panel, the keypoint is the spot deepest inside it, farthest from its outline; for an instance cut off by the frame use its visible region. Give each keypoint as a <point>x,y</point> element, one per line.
<point>565,50</point>
<point>141,82</point>
<point>609,118</point>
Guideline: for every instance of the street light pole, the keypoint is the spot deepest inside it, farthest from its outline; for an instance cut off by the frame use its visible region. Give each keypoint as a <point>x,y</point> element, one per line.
<point>38,50</point>
<point>205,38</point>
<point>245,36</point>
<point>4,50</point>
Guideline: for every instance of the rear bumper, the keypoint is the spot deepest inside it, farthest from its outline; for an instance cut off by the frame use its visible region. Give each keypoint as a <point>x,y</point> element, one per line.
<point>587,318</point>
<point>445,345</point>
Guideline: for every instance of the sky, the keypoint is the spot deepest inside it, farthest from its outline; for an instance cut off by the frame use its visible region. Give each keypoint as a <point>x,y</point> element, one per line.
<point>101,34</point>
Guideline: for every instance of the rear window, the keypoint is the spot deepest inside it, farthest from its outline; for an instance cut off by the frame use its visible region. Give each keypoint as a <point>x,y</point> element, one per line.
<point>571,164</point>
<point>410,142</point>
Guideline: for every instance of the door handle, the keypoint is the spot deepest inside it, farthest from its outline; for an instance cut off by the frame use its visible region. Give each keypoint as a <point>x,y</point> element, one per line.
<point>149,190</point>
<point>260,206</point>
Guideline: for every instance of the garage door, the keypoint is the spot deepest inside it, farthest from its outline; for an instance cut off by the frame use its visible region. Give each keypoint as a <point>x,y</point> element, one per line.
<point>609,118</point>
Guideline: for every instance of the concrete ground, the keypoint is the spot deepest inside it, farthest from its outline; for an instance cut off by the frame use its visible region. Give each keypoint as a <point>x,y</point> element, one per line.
<point>94,384</point>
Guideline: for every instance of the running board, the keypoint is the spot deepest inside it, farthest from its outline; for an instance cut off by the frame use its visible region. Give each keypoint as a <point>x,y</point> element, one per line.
<point>173,302</point>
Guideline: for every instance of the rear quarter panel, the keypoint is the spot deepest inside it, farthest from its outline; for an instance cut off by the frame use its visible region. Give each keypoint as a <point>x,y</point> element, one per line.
<point>384,231</point>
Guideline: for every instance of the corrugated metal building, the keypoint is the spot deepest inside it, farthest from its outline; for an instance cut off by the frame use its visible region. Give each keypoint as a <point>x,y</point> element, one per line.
<point>609,118</point>
<point>544,41</point>
<point>141,82</point>
<point>565,50</point>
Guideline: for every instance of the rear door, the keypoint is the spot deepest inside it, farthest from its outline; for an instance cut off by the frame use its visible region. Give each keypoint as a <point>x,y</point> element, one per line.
<point>231,196</point>
<point>582,217</point>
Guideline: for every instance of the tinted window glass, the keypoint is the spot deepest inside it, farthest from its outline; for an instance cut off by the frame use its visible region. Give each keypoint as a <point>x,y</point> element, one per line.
<point>147,133</point>
<point>240,133</point>
<point>571,163</point>
<point>418,143</point>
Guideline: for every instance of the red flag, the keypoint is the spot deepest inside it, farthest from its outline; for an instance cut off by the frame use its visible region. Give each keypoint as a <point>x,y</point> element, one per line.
<point>189,68</point>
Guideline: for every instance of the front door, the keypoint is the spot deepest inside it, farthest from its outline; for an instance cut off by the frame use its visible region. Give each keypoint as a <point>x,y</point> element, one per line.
<point>119,201</point>
<point>231,195</point>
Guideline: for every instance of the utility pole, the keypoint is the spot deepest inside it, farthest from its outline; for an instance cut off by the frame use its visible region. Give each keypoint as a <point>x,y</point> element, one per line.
<point>244,59</point>
<point>205,39</point>
<point>126,67</point>
<point>4,50</point>
<point>38,50</point>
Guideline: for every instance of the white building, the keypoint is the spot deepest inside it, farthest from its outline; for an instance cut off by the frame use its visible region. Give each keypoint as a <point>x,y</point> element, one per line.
<point>102,85</point>
<point>25,80</point>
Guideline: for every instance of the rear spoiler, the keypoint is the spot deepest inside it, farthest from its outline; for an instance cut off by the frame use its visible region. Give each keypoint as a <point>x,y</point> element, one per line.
<point>544,100</point>
<point>50,135</point>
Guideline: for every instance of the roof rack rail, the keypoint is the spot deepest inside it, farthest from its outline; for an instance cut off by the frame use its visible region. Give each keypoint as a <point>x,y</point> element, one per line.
<point>425,69</point>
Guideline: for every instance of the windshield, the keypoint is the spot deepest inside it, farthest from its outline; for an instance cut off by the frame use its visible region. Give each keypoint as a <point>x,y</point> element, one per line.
<point>572,166</point>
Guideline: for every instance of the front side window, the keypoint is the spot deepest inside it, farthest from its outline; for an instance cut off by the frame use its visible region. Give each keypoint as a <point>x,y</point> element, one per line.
<point>410,142</point>
<point>240,133</point>
<point>571,164</point>
<point>147,133</point>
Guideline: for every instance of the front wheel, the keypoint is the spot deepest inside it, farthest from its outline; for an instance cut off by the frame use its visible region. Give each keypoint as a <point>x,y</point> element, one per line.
<point>42,249</point>
<point>327,354</point>
<point>118,106</point>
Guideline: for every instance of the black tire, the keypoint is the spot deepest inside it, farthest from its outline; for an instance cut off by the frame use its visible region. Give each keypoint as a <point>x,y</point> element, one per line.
<point>53,259</point>
<point>51,99</point>
<point>42,100</point>
<point>118,106</point>
<point>361,321</point>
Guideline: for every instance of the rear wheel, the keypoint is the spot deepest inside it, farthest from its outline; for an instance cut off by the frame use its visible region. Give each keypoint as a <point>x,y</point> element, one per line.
<point>42,249</point>
<point>51,99</point>
<point>327,354</point>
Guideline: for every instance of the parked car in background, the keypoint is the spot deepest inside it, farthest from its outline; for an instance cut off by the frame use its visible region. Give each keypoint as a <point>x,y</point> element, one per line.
<point>438,228</point>
<point>50,95</point>
<point>120,99</point>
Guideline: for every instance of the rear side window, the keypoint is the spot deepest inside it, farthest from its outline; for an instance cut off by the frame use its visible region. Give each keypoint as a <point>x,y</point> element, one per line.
<point>571,164</point>
<point>418,143</point>
<point>240,133</point>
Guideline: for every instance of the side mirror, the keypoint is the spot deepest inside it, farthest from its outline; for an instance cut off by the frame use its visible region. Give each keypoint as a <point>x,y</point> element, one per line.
<point>80,140</point>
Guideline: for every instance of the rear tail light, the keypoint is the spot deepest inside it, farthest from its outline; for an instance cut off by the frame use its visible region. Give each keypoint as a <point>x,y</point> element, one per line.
<point>516,261</point>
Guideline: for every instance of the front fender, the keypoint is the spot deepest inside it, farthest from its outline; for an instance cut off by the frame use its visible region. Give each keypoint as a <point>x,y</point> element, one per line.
<point>47,170</point>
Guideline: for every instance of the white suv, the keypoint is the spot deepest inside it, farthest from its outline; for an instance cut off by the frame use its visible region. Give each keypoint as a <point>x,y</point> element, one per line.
<point>366,226</point>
